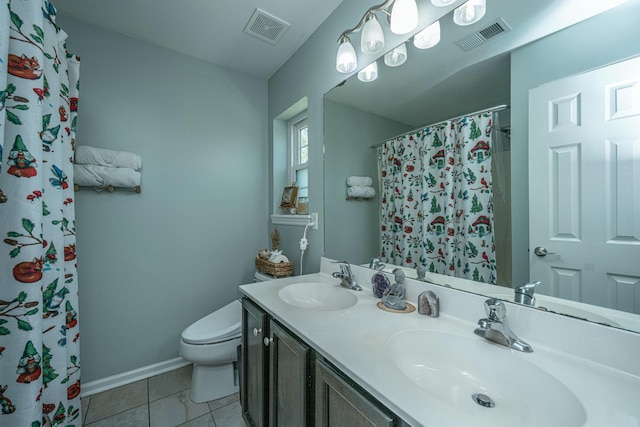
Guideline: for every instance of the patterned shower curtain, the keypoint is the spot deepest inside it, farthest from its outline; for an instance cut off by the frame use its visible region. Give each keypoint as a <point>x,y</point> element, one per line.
<point>39,348</point>
<point>437,202</point>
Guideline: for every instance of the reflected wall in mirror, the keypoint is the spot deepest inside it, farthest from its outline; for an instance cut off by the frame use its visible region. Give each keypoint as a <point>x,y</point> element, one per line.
<point>445,82</point>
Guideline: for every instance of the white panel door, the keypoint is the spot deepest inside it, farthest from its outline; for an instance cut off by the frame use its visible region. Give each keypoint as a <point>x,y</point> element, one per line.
<point>584,186</point>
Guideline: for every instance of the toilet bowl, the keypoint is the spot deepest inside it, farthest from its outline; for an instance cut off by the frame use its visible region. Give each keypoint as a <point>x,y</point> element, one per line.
<point>211,344</point>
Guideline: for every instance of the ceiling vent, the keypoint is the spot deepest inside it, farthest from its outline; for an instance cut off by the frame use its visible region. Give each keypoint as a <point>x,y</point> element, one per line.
<point>266,27</point>
<point>481,37</point>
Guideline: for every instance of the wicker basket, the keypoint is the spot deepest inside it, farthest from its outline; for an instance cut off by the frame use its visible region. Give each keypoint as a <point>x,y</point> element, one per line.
<point>281,269</point>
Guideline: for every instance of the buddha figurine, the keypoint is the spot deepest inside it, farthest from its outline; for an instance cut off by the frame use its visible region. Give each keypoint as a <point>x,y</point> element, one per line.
<point>394,297</point>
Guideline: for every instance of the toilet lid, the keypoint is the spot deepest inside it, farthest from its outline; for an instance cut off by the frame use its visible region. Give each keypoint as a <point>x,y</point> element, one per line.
<point>221,325</point>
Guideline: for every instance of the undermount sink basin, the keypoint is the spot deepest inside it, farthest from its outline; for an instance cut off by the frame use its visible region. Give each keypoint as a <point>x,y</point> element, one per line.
<point>317,296</point>
<point>469,372</point>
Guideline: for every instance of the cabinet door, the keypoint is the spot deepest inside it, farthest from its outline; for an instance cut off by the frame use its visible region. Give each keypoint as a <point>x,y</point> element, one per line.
<point>338,403</point>
<point>289,379</point>
<point>254,365</point>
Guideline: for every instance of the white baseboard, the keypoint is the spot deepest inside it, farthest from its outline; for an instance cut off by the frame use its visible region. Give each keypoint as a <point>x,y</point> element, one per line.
<point>124,378</point>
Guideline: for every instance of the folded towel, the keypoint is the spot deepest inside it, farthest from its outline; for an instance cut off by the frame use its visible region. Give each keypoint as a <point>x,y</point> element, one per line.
<point>102,176</point>
<point>361,192</point>
<point>359,181</point>
<point>86,155</point>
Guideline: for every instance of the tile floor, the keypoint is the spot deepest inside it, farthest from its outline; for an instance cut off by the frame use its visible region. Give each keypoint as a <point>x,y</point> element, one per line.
<point>160,401</point>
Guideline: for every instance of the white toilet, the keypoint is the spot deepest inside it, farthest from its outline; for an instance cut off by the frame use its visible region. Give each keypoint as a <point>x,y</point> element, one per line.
<point>211,343</point>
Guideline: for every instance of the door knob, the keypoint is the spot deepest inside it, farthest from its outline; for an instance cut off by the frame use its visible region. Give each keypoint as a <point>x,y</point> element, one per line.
<point>257,331</point>
<point>267,341</point>
<point>540,251</point>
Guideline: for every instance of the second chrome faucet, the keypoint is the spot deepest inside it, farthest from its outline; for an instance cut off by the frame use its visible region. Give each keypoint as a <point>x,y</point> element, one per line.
<point>495,327</point>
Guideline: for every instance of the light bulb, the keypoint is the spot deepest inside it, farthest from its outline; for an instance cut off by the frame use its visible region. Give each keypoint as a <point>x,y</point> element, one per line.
<point>346,59</point>
<point>441,3</point>
<point>429,37</point>
<point>397,56</point>
<point>368,73</point>
<point>372,40</point>
<point>404,16</point>
<point>470,12</point>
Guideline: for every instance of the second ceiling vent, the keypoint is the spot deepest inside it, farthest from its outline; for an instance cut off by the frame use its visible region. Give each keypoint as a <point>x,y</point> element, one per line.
<point>481,37</point>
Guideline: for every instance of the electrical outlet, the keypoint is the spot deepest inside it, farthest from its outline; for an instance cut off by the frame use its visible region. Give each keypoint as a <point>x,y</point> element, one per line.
<point>314,220</point>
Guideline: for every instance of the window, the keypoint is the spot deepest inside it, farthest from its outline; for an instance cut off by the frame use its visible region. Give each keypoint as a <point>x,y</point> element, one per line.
<point>299,149</point>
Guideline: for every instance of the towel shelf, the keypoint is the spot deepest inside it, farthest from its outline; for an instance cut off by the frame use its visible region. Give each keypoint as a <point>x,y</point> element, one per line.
<point>111,188</point>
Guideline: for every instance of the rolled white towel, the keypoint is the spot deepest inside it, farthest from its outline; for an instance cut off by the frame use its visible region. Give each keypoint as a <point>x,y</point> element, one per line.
<point>102,176</point>
<point>359,181</point>
<point>86,155</point>
<point>361,192</point>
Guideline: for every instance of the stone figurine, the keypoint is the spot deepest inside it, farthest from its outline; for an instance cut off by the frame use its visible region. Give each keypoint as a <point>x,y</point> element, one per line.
<point>394,297</point>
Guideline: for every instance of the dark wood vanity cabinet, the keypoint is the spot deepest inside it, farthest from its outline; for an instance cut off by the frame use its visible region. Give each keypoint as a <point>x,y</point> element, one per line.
<point>285,384</point>
<point>340,403</point>
<point>290,379</point>
<point>253,366</point>
<point>277,377</point>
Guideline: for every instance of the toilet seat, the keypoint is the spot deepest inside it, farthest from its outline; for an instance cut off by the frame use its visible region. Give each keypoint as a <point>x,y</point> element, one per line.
<point>221,325</point>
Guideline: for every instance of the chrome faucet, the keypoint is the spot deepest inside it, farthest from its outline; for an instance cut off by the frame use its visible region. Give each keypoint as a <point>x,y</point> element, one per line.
<point>375,264</point>
<point>495,327</point>
<point>346,276</point>
<point>524,293</point>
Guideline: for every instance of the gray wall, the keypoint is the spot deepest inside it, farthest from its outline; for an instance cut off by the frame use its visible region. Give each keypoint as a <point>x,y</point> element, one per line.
<point>351,227</point>
<point>150,264</point>
<point>602,40</point>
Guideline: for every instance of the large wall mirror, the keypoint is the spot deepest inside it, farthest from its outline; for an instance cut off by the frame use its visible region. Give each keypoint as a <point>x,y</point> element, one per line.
<point>542,41</point>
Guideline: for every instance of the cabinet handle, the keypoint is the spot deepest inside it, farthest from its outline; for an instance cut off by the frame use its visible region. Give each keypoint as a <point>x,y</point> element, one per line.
<point>267,341</point>
<point>257,331</point>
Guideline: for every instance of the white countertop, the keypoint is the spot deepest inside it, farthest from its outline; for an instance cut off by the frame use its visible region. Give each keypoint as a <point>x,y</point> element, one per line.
<point>602,369</point>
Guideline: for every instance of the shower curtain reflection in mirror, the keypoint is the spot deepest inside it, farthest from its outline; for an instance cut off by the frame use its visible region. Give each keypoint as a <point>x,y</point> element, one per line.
<point>437,197</point>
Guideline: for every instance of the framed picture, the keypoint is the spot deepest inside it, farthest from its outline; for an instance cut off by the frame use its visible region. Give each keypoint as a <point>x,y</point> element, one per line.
<point>289,197</point>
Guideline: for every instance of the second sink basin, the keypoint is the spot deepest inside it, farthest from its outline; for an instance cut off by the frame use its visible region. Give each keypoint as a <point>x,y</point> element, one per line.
<point>470,374</point>
<point>317,296</point>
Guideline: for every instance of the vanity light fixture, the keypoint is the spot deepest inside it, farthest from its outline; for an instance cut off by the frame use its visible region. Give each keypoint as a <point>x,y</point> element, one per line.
<point>346,60</point>
<point>372,40</point>
<point>369,73</point>
<point>397,56</point>
<point>429,37</point>
<point>404,16</point>
<point>470,12</point>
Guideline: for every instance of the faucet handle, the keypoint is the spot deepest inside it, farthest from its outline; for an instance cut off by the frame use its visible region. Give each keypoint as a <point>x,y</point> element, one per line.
<point>376,264</point>
<point>344,266</point>
<point>523,294</point>
<point>495,309</point>
<point>527,288</point>
<point>346,269</point>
